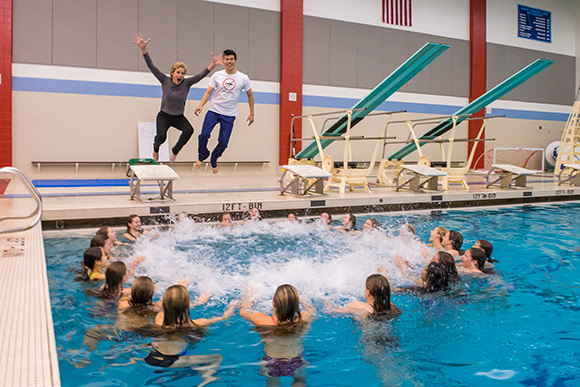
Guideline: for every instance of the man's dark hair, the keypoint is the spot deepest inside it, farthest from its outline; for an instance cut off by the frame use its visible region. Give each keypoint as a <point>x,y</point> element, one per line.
<point>230,52</point>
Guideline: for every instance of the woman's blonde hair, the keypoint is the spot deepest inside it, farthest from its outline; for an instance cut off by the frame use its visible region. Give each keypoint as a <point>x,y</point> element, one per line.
<point>177,65</point>
<point>176,308</point>
<point>441,231</point>
<point>287,303</point>
<point>142,292</point>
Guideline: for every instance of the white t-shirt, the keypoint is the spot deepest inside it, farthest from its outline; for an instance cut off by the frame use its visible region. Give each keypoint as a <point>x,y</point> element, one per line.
<point>227,91</point>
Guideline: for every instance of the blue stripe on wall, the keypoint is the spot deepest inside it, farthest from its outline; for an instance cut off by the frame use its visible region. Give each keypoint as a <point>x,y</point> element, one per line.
<point>154,91</point>
<point>116,89</point>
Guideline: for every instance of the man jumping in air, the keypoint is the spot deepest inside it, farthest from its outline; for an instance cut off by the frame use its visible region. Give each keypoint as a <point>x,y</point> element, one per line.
<point>223,109</point>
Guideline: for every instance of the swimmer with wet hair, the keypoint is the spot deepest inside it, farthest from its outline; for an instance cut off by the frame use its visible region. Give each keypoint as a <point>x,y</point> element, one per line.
<point>448,261</point>
<point>452,242</point>
<point>292,217</point>
<point>371,224</point>
<point>281,334</point>
<point>94,262</point>
<point>325,218</point>
<point>255,215</point>
<point>286,304</point>
<point>175,319</point>
<point>141,296</point>
<point>114,278</point>
<point>110,233</point>
<point>487,247</point>
<point>104,243</point>
<point>434,277</point>
<point>138,310</point>
<point>176,315</point>
<point>378,300</point>
<point>348,223</point>
<point>226,220</point>
<point>134,228</point>
<point>436,237</point>
<point>474,262</point>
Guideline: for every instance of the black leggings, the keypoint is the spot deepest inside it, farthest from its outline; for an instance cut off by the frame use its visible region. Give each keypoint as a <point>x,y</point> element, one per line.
<point>164,122</point>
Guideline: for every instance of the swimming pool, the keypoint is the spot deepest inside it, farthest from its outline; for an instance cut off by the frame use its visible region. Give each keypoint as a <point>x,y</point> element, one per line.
<point>519,327</point>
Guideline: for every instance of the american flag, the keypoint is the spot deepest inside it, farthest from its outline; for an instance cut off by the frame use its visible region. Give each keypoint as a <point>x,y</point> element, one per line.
<point>397,12</point>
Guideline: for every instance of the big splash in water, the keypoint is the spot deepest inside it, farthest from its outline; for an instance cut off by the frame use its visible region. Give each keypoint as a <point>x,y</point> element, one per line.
<point>320,263</point>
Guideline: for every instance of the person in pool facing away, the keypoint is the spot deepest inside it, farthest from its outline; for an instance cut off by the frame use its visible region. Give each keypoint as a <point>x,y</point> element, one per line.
<point>282,334</point>
<point>378,303</point>
<point>441,257</point>
<point>175,320</point>
<point>138,310</point>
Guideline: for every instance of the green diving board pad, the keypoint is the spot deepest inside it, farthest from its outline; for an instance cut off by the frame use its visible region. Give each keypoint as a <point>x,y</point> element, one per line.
<point>379,94</point>
<point>476,105</point>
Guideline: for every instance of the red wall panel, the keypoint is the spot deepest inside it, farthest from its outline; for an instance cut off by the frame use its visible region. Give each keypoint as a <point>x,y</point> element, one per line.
<point>290,74</point>
<point>6,85</point>
<point>477,36</point>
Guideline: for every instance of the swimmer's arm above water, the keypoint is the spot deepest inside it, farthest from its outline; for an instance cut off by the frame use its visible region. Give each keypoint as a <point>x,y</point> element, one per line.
<point>354,307</point>
<point>256,318</point>
<point>204,322</point>
<point>201,299</point>
<point>309,310</point>
<point>403,264</point>
<point>124,303</point>
<point>134,265</point>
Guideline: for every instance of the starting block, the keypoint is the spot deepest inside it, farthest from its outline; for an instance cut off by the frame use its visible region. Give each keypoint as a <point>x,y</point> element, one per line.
<point>304,180</point>
<point>509,174</point>
<point>573,177</point>
<point>430,175</point>
<point>162,174</point>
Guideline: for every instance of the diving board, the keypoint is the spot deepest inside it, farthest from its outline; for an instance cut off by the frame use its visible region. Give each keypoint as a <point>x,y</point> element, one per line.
<point>509,174</point>
<point>305,180</point>
<point>475,106</point>
<point>430,175</point>
<point>573,174</point>
<point>412,66</point>
<point>162,174</point>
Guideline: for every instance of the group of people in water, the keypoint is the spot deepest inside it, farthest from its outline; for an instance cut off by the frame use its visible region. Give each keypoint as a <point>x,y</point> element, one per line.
<point>170,318</point>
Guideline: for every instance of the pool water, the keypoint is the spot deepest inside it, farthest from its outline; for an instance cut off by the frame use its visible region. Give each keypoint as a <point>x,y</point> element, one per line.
<point>518,327</point>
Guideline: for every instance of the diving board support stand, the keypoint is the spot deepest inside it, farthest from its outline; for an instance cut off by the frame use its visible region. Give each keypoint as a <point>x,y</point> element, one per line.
<point>430,175</point>
<point>162,174</point>
<point>509,174</point>
<point>569,149</point>
<point>303,180</point>
<point>573,171</point>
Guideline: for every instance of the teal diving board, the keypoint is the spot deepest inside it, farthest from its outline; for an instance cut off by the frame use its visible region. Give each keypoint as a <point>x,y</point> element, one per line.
<point>379,94</point>
<point>476,105</point>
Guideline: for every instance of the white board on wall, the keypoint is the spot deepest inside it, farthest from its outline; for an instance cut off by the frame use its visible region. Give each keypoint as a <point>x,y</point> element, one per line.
<point>146,132</point>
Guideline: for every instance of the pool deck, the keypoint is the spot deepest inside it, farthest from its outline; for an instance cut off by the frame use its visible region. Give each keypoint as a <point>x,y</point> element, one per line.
<point>205,196</point>
<point>29,357</point>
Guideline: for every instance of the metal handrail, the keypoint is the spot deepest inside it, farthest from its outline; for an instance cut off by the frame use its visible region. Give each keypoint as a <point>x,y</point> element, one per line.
<point>37,213</point>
